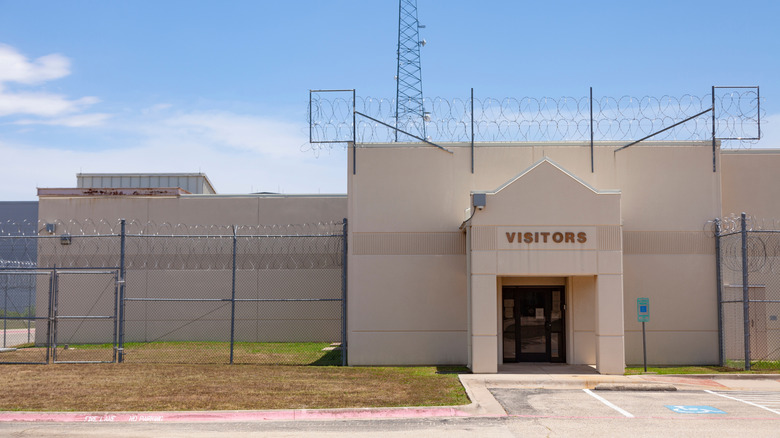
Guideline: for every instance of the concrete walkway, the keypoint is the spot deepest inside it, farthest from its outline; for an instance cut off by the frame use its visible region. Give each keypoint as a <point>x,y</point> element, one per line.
<point>13,337</point>
<point>529,376</point>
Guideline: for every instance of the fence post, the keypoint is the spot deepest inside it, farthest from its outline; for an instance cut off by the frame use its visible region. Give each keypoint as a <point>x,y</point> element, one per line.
<point>745,292</point>
<point>472,130</point>
<point>116,317</point>
<point>233,300</point>
<point>714,168</point>
<point>592,168</point>
<point>50,315</point>
<point>344,294</point>
<point>719,282</point>
<point>5,315</point>
<point>121,323</point>
<point>53,315</point>
<point>354,132</point>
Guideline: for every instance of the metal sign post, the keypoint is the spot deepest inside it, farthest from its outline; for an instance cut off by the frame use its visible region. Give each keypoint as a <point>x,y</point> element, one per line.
<point>643,315</point>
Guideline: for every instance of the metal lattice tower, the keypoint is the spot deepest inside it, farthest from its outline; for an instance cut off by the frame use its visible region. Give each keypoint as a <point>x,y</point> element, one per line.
<point>409,108</point>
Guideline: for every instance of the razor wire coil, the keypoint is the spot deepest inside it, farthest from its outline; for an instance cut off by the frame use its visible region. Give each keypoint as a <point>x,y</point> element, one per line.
<point>170,246</point>
<point>546,119</point>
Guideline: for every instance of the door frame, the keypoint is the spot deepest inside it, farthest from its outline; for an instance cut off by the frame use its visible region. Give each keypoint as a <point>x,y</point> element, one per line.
<point>547,355</point>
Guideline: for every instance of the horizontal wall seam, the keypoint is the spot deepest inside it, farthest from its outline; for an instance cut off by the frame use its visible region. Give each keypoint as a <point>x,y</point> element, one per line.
<point>668,242</point>
<point>673,331</point>
<point>546,249</point>
<point>412,243</point>
<point>548,274</point>
<point>544,225</point>
<point>408,331</point>
<point>609,237</point>
<point>671,255</point>
<point>409,255</point>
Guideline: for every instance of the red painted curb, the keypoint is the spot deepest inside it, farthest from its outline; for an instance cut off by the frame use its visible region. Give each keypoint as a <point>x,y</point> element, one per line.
<point>18,331</point>
<point>229,416</point>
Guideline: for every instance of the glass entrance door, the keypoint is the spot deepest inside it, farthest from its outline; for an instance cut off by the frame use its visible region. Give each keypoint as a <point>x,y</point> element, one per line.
<point>533,324</point>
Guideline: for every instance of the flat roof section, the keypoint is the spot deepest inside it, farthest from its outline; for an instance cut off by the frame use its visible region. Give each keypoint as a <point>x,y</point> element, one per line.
<point>197,183</point>
<point>147,191</point>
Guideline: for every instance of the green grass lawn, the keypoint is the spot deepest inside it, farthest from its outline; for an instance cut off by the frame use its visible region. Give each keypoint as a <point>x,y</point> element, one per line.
<point>269,353</point>
<point>9,324</point>
<point>757,368</point>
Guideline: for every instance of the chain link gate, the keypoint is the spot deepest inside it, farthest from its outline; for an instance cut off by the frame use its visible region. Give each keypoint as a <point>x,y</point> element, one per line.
<point>23,316</point>
<point>58,316</point>
<point>84,316</point>
<point>748,257</point>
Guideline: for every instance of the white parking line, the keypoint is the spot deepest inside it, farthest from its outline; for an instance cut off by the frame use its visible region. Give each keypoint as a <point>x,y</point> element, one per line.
<point>607,402</point>
<point>752,398</point>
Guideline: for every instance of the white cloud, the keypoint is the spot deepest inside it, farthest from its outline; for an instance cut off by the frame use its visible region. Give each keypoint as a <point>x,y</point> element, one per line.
<point>239,153</point>
<point>156,108</point>
<point>77,121</point>
<point>275,138</point>
<point>230,171</point>
<point>15,67</point>
<point>41,104</point>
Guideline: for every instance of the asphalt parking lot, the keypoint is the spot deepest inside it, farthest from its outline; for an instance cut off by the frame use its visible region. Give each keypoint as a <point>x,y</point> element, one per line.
<point>587,404</point>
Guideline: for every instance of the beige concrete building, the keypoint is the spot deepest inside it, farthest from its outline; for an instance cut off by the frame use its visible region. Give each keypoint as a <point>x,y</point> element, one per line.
<point>532,256</point>
<point>535,257</point>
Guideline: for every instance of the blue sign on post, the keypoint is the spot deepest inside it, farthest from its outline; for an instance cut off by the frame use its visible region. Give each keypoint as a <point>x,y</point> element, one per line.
<point>643,309</point>
<point>643,316</point>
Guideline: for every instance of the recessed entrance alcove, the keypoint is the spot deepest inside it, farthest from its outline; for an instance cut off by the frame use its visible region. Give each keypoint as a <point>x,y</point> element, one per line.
<point>545,272</point>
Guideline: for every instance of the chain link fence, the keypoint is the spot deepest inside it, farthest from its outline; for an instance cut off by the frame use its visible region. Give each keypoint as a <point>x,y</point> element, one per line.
<point>99,291</point>
<point>18,312</point>
<point>749,285</point>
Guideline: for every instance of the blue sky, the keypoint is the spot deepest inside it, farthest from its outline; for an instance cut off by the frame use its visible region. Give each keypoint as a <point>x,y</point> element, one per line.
<point>222,87</point>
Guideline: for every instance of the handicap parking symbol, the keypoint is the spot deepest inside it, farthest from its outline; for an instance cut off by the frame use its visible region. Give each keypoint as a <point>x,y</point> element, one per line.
<point>681,409</point>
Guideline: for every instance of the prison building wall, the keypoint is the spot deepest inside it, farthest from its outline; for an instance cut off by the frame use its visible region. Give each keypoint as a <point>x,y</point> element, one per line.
<point>200,267</point>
